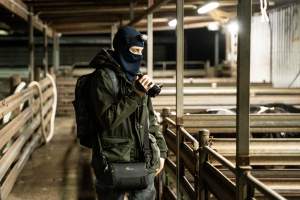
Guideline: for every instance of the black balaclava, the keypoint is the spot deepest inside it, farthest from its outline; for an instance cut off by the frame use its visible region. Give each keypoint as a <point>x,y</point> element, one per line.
<point>125,38</point>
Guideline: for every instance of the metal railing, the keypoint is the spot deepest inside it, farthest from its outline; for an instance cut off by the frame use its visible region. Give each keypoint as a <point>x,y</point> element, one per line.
<point>26,123</point>
<point>209,98</point>
<point>199,175</point>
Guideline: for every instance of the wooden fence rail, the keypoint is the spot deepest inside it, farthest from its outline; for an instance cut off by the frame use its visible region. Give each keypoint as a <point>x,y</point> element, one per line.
<point>23,132</point>
<point>204,162</point>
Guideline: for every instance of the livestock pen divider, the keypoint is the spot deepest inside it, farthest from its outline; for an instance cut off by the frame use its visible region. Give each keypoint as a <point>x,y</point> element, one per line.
<point>201,178</point>
<point>27,119</point>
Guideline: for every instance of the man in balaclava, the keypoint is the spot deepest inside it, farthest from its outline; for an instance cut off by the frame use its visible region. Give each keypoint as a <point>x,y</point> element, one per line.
<point>123,115</point>
<point>128,45</point>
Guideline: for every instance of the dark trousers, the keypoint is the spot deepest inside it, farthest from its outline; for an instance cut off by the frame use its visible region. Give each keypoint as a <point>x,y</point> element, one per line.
<point>105,193</point>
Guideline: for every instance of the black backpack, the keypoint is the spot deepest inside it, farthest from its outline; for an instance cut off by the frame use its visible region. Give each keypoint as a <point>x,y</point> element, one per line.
<point>84,118</point>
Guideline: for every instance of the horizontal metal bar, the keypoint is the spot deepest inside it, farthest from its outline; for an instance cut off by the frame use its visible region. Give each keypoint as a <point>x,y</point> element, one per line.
<point>259,130</point>
<point>186,153</point>
<point>263,188</point>
<point>230,91</point>
<point>218,184</point>
<point>279,175</point>
<point>170,138</point>
<point>170,121</point>
<point>188,188</point>
<point>169,194</point>
<point>220,158</point>
<point>266,160</point>
<point>281,122</point>
<point>224,100</point>
<point>260,146</point>
<point>190,137</point>
<point>188,157</point>
<point>170,168</point>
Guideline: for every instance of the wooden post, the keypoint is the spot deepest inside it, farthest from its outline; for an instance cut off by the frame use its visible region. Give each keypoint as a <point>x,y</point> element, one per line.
<point>37,72</point>
<point>31,46</point>
<point>203,139</point>
<point>14,81</point>
<point>161,178</point>
<point>45,59</point>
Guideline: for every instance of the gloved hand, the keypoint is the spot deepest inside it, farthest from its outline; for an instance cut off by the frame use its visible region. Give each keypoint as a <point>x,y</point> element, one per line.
<point>145,83</point>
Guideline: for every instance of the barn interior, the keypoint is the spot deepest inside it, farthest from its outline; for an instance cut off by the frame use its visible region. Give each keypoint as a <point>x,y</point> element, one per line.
<point>229,108</point>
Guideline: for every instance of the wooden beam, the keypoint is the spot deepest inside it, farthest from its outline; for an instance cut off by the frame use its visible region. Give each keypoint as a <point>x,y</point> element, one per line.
<point>80,25</point>
<point>105,9</point>
<point>150,10</point>
<point>20,9</point>
<point>156,27</point>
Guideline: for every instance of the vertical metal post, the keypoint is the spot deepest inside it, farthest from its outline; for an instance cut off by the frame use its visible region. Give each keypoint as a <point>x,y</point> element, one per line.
<point>243,82</point>
<point>179,87</point>
<point>216,48</point>
<point>56,56</point>
<point>114,30</point>
<point>131,10</point>
<point>200,188</point>
<point>162,179</point>
<point>150,42</point>
<point>45,59</point>
<point>228,46</point>
<point>31,46</point>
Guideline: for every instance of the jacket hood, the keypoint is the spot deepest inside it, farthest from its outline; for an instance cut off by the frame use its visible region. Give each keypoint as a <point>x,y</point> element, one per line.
<point>104,59</point>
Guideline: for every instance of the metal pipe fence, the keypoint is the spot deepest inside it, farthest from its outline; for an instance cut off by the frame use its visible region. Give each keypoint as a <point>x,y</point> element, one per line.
<point>201,160</point>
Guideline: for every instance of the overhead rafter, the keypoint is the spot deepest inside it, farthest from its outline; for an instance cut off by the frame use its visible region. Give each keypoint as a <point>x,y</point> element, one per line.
<point>152,9</point>
<point>90,16</point>
<point>159,25</point>
<point>104,9</point>
<point>20,9</point>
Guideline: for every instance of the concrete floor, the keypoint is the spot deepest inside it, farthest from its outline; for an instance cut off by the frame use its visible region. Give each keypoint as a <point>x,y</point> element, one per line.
<point>58,171</point>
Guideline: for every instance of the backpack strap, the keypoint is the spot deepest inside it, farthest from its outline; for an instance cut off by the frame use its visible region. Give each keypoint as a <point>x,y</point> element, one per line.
<point>114,80</point>
<point>146,147</point>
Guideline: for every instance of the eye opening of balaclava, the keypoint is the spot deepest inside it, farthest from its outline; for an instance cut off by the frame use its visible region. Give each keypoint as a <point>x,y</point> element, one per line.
<point>125,38</point>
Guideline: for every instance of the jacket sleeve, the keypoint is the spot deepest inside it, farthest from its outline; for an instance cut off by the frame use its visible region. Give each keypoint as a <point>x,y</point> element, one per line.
<point>109,112</point>
<point>154,130</point>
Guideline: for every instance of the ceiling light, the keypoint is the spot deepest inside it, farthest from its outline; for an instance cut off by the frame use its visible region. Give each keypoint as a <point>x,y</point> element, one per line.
<point>233,27</point>
<point>213,26</point>
<point>172,23</point>
<point>3,32</point>
<point>208,7</point>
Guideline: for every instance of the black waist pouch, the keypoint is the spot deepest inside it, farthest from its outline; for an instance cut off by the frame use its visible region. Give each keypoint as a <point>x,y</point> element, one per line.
<point>127,176</point>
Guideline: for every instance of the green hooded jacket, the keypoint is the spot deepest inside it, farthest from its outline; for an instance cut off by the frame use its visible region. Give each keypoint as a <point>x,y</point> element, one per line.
<point>121,115</point>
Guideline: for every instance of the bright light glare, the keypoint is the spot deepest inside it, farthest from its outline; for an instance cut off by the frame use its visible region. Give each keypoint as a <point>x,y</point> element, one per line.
<point>173,23</point>
<point>3,32</point>
<point>213,26</point>
<point>208,7</point>
<point>233,27</point>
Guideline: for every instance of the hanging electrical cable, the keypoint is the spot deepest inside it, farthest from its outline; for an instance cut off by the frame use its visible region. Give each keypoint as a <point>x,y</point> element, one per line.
<point>263,9</point>
<point>46,137</point>
<point>54,107</point>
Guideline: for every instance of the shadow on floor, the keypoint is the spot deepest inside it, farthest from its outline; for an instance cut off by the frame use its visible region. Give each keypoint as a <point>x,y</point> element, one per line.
<point>82,171</point>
